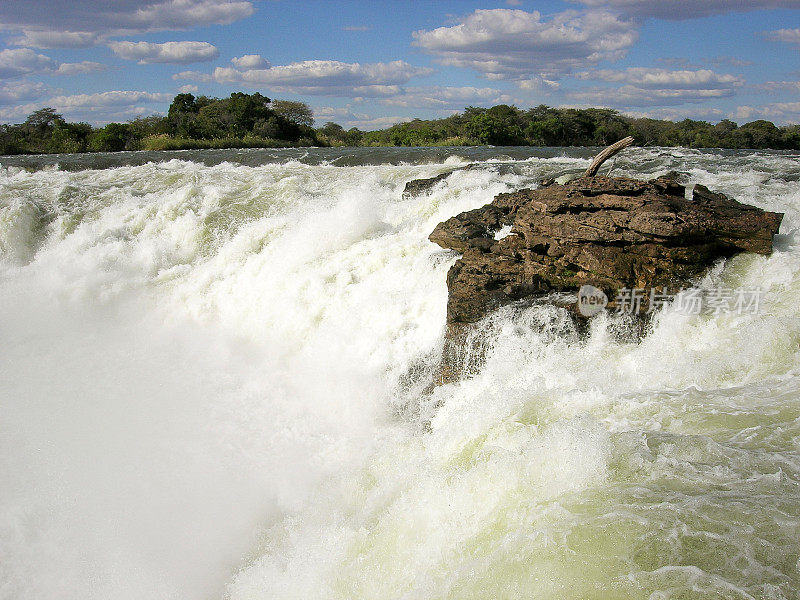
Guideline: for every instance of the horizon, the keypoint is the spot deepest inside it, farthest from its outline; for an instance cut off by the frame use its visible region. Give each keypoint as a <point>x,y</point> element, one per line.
<point>373,65</point>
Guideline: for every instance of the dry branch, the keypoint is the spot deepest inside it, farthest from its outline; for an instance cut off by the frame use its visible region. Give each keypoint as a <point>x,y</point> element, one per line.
<point>606,154</point>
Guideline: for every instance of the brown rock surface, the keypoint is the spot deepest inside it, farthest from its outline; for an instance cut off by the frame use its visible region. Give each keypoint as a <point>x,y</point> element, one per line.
<point>612,233</point>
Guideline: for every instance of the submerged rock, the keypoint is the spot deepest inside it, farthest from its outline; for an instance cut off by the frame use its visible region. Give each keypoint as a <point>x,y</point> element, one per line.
<point>610,233</point>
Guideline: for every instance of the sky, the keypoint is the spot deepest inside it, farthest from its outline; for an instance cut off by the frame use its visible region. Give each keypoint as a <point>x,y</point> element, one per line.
<point>370,64</point>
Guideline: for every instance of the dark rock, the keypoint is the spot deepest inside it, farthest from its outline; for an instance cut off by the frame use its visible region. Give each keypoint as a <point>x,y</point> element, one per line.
<point>612,233</point>
<point>416,187</point>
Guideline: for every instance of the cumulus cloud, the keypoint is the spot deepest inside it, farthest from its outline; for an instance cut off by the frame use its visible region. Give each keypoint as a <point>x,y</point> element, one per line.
<point>250,61</point>
<point>652,87</point>
<point>38,19</point>
<point>685,9</point>
<point>779,112</point>
<point>168,52</point>
<point>629,95</point>
<point>21,92</point>
<point>114,98</point>
<point>96,108</point>
<point>188,89</point>
<point>19,62</point>
<point>663,78</point>
<point>23,61</point>
<point>16,113</point>
<point>45,38</point>
<point>326,77</point>
<point>514,44</point>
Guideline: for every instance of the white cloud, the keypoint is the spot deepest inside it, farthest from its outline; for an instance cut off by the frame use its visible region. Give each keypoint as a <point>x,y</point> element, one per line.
<point>347,119</point>
<point>72,19</point>
<point>21,92</point>
<point>192,76</point>
<point>538,84</point>
<point>779,112</point>
<point>102,107</point>
<point>685,9</point>
<point>188,89</point>
<point>447,97</point>
<point>23,61</point>
<point>664,78</point>
<point>323,114</point>
<point>505,43</point>
<point>250,61</point>
<point>47,38</point>
<point>789,36</point>
<point>629,95</point>
<point>376,123</point>
<point>678,114</point>
<point>653,87</point>
<point>18,113</point>
<point>107,99</point>
<point>168,52</point>
<point>744,112</point>
<point>326,77</point>
<point>19,62</point>
<point>80,68</point>
<point>183,14</point>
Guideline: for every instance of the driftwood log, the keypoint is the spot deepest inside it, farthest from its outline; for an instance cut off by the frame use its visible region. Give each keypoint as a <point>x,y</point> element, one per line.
<point>606,154</point>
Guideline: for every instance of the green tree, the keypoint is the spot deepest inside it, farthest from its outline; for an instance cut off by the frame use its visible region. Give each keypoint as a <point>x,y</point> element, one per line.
<point>499,126</point>
<point>762,134</point>
<point>182,116</point>
<point>43,120</point>
<point>548,132</point>
<point>111,138</point>
<point>69,137</point>
<point>296,112</point>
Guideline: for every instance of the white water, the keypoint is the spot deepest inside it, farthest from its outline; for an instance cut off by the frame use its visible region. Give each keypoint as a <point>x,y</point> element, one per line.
<point>205,394</point>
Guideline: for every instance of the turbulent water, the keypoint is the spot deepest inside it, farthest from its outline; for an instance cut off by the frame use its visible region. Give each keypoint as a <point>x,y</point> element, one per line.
<point>212,386</point>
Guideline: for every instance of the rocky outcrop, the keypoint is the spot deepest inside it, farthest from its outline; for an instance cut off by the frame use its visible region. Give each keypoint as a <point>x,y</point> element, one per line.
<point>611,233</point>
<point>415,187</point>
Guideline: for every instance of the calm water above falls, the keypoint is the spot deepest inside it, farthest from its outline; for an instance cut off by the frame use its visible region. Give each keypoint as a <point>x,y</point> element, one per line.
<point>204,392</point>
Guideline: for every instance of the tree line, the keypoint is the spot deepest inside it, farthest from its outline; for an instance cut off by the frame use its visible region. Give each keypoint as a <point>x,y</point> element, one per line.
<point>242,120</point>
<point>253,120</point>
<point>505,125</point>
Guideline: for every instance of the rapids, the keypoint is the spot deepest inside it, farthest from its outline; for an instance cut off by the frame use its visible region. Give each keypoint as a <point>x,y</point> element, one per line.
<point>212,379</point>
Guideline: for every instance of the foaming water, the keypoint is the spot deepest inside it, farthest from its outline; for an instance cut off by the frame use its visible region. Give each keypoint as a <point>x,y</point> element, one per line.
<point>206,371</point>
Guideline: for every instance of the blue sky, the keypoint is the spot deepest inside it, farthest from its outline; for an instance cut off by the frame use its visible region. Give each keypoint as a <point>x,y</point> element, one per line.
<point>370,64</point>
